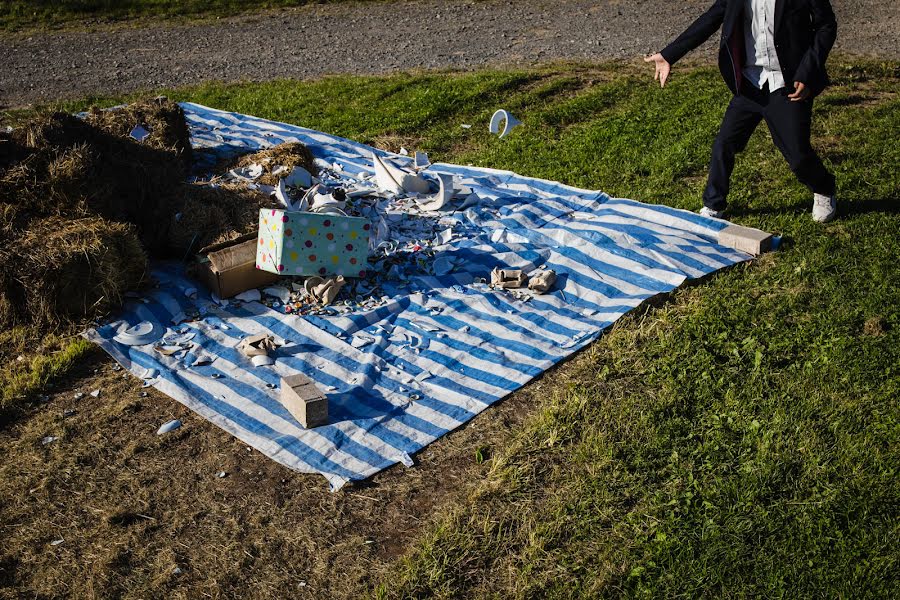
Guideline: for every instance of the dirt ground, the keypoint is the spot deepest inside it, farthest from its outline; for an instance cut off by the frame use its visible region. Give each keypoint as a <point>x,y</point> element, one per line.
<point>111,509</point>
<point>375,37</point>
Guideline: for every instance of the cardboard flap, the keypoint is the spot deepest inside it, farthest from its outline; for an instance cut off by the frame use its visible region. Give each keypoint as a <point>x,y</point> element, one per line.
<point>233,255</point>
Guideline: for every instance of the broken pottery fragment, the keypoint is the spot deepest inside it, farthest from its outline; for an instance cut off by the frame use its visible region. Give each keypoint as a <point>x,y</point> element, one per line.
<point>442,197</point>
<point>420,161</point>
<point>509,121</point>
<point>542,281</point>
<point>299,177</point>
<point>508,278</point>
<point>257,345</point>
<point>249,296</point>
<point>167,427</point>
<point>390,178</point>
<point>141,334</point>
<point>322,290</point>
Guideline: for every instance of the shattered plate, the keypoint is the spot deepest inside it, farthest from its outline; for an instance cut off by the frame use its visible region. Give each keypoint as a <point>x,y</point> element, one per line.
<point>140,334</point>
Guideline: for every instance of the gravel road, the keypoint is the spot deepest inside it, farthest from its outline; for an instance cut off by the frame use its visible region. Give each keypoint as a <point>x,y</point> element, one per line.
<point>375,38</point>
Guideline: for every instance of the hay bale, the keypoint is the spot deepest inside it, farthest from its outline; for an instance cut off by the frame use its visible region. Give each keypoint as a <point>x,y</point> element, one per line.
<point>52,131</point>
<point>240,204</point>
<point>212,214</point>
<point>72,168</point>
<point>72,181</point>
<point>290,155</point>
<point>60,269</point>
<point>197,223</point>
<point>161,117</point>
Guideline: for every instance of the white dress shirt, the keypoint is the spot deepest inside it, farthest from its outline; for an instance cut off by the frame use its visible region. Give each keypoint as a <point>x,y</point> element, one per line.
<point>762,64</point>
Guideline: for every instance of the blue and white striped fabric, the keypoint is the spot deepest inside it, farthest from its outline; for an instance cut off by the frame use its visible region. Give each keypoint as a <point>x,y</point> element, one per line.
<point>444,349</point>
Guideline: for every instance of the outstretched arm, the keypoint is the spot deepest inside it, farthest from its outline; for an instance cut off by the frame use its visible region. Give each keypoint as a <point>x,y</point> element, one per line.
<point>699,31</point>
<point>696,34</point>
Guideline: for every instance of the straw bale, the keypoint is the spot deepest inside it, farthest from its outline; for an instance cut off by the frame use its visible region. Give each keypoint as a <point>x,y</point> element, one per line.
<point>161,117</point>
<point>72,168</point>
<point>290,155</point>
<point>198,222</point>
<point>210,214</point>
<point>63,268</point>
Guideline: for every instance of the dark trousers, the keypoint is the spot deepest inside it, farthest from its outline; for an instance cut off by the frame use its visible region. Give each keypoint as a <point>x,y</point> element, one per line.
<point>789,123</point>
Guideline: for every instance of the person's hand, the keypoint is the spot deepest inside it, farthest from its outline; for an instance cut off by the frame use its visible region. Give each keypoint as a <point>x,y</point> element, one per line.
<point>663,68</point>
<point>801,92</point>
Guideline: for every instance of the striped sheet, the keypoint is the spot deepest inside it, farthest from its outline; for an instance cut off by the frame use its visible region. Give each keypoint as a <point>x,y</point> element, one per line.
<point>445,348</point>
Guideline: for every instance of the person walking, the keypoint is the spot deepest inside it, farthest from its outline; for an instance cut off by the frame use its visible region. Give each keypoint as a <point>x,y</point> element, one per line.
<point>772,56</point>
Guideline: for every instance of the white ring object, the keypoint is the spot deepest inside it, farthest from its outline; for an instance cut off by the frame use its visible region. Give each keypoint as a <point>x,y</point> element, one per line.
<point>500,116</point>
<point>141,334</point>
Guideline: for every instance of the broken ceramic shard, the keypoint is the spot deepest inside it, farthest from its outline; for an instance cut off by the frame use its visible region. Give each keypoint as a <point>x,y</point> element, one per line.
<point>508,278</point>
<point>141,334</point>
<point>443,237</point>
<point>299,177</point>
<point>282,293</point>
<point>443,265</point>
<point>168,350</point>
<point>167,427</point>
<point>442,197</point>
<point>203,359</point>
<point>257,345</point>
<point>542,281</point>
<point>262,361</point>
<point>361,341</point>
<point>392,179</point>
<point>510,122</point>
<point>139,133</point>
<point>420,161</point>
<point>249,296</point>
<point>388,177</point>
<point>282,196</point>
<point>248,174</point>
<point>324,198</point>
<point>324,291</point>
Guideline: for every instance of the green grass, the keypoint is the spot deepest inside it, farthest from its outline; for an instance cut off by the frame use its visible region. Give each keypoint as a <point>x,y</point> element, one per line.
<point>33,14</point>
<point>45,358</point>
<point>739,440</point>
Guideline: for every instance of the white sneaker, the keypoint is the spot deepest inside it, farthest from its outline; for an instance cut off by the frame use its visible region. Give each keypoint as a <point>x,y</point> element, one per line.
<point>824,208</point>
<point>713,214</point>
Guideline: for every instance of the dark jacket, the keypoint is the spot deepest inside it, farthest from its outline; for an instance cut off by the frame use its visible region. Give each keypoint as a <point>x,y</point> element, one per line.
<point>805,31</point>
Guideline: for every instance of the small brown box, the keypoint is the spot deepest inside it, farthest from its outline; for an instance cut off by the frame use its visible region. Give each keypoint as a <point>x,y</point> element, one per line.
<point>746,239</point>
<point>304,400</point>
<point>229,268</point>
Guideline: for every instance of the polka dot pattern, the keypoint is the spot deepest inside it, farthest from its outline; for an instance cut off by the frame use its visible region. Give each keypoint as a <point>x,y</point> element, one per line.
<point>311,244</point>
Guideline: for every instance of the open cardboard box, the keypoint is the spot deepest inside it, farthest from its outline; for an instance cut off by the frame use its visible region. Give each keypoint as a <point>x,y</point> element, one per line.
<point>229,268</point>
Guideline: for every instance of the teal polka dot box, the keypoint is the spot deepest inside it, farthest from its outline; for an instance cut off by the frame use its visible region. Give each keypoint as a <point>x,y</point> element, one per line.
<point>302,243</point>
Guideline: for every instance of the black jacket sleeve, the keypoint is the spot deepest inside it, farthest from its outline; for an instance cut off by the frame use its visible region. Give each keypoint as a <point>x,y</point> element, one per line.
<point>824,23</point>
<point>697,33</point>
